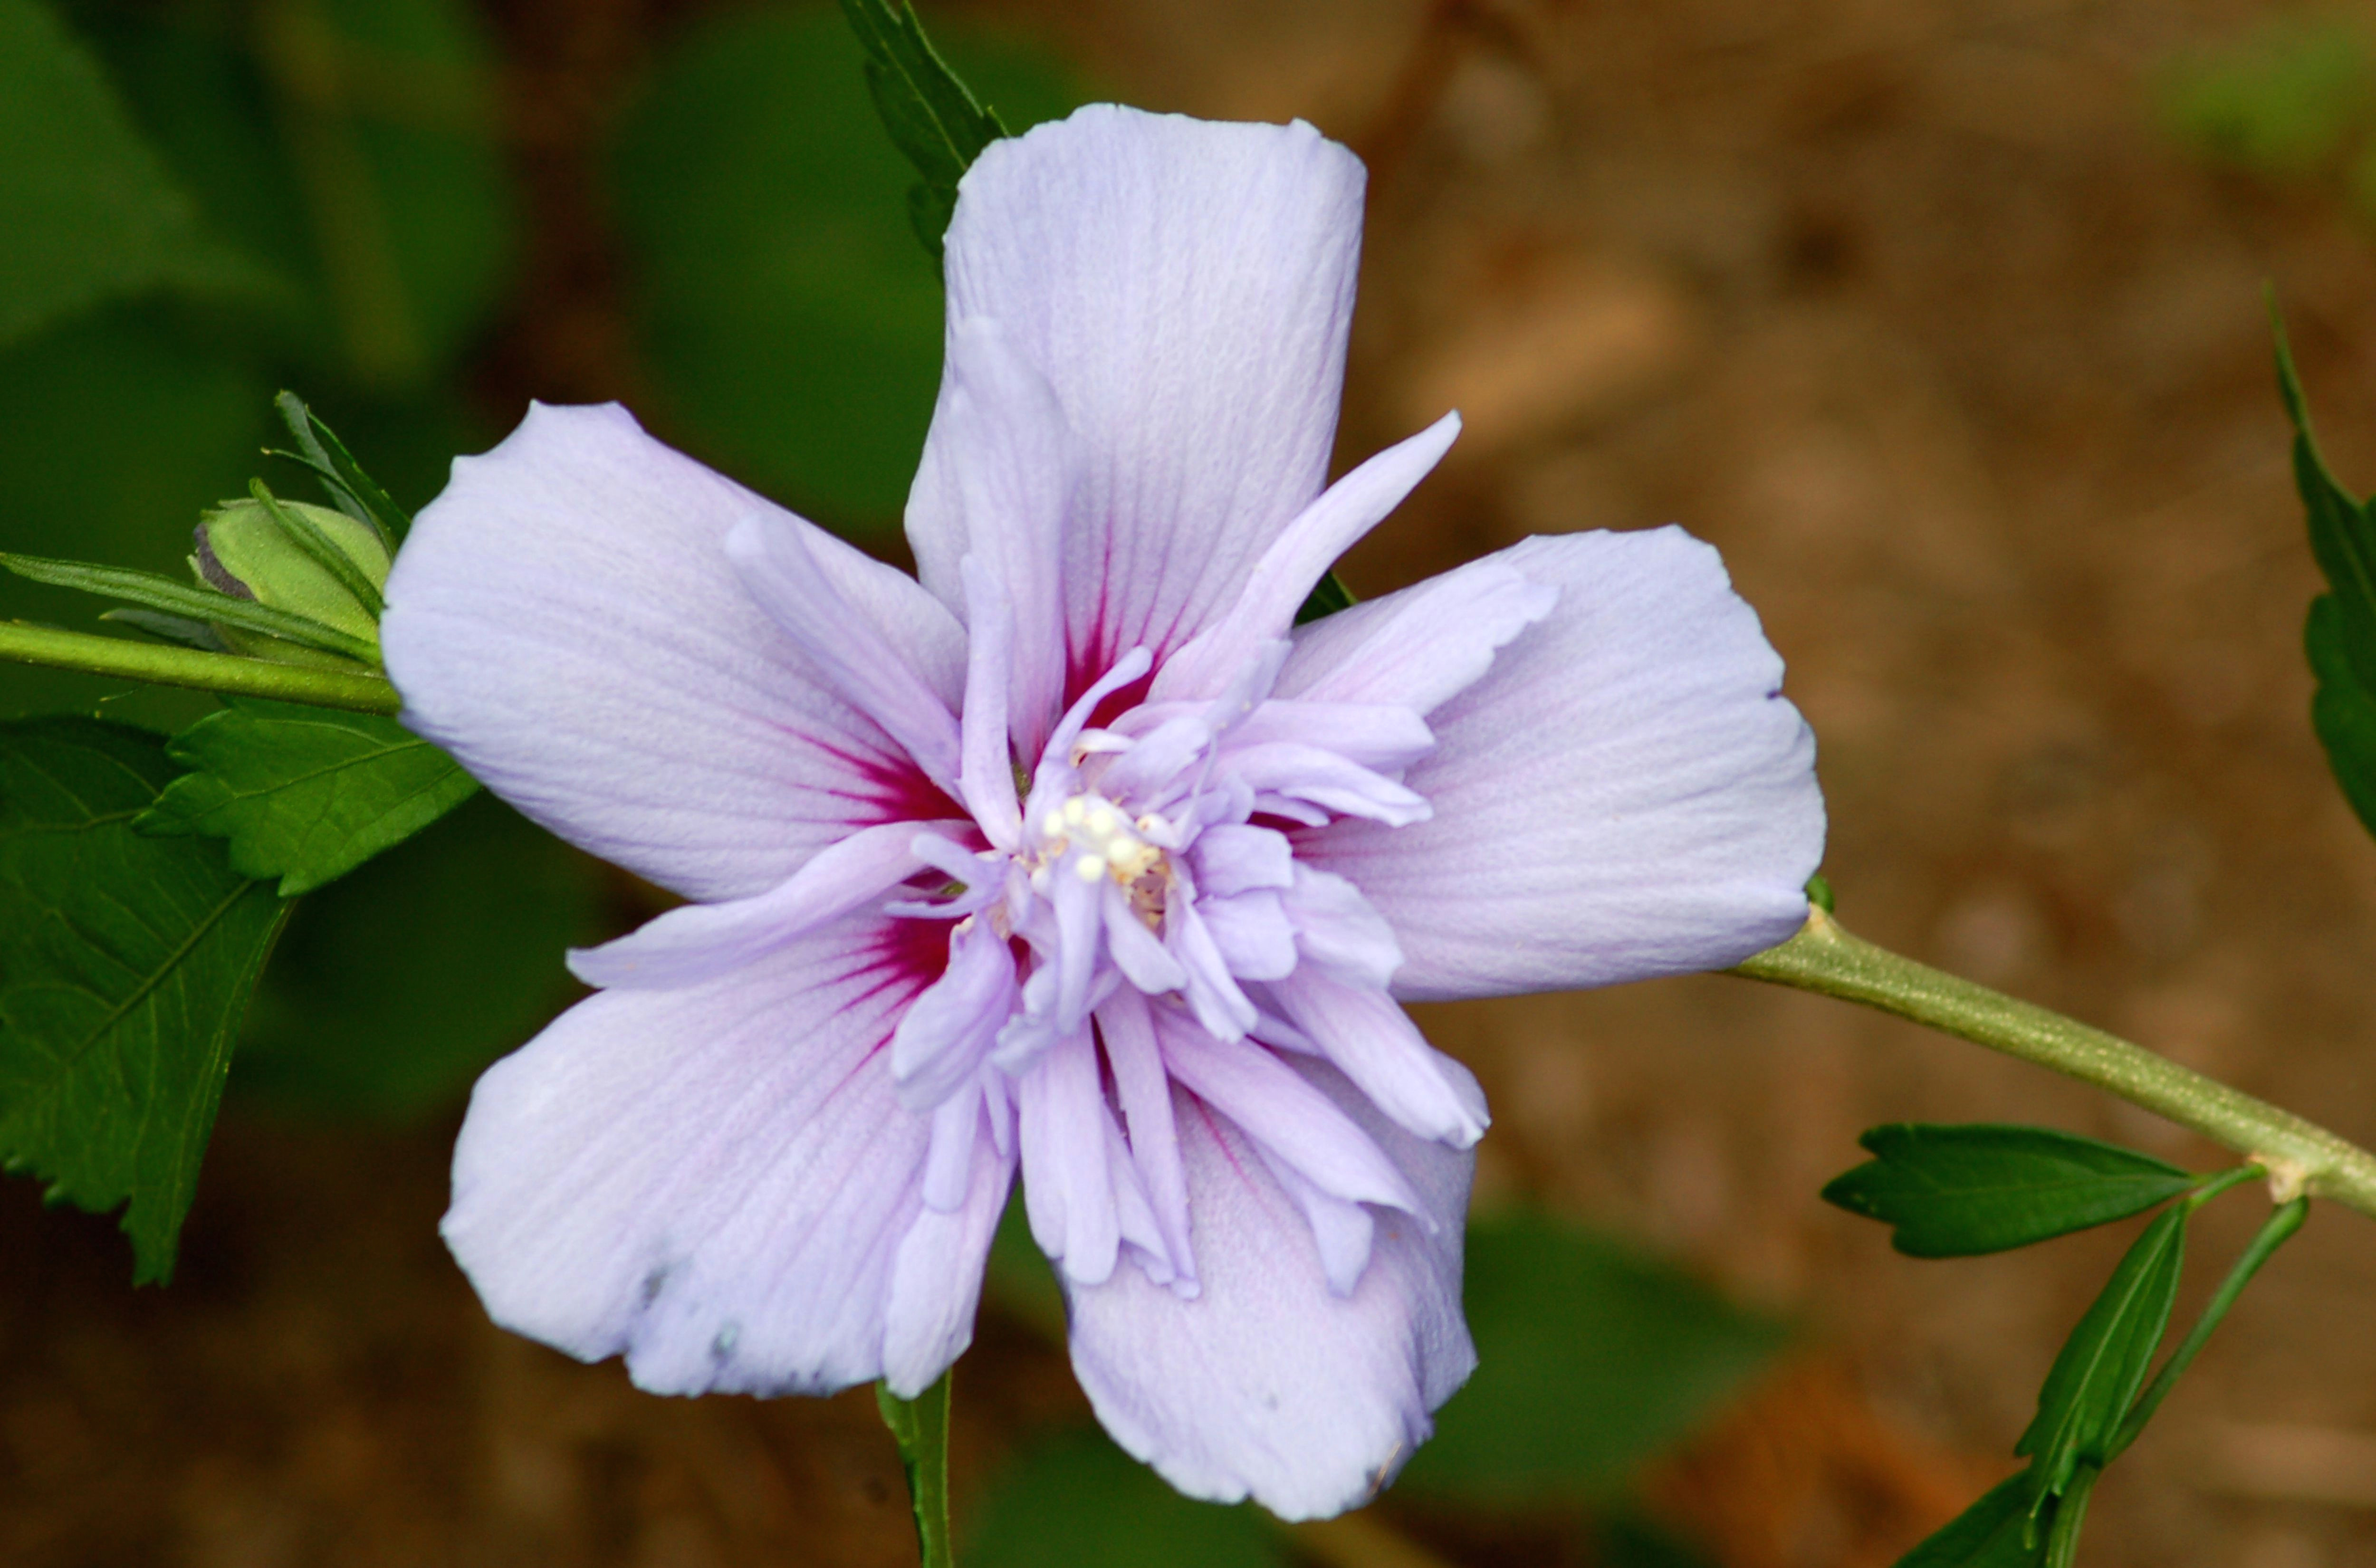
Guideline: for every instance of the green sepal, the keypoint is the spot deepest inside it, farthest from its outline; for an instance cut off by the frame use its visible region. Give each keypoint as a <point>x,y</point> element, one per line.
<point>1981,1187</point>
<point>304,794</point>
<point>2102,1367</point>
<point>355,558</point>
<point>150,591</point>
<point>353,492</point>
<point>125,965</point>
<point>933,117</point>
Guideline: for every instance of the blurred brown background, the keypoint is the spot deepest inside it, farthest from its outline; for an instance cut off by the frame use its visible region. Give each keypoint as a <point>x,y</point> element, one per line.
<point>1918,312</point>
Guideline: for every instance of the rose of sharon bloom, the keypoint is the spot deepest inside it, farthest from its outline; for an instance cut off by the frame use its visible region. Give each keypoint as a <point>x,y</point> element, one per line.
<point>1075,857</point>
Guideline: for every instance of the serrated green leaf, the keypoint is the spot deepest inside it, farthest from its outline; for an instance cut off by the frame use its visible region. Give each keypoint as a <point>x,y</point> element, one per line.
<point>399,983</point>
<point>933,116</point>
<point>2339,639</point>
<point>125,964</point>
<point>2102,1367</point>
<point>304,794</point>
<point>1956,1191</point>
<point>1077,1500</point>
<point>150,591</point>
<point>86,211</point>
<point>1591,1358</point>
<point>1992,1533</point>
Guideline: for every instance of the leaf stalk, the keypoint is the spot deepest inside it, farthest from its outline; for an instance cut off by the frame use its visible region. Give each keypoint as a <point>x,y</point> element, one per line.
<point>355,690</point>
<point>2300,1156</point>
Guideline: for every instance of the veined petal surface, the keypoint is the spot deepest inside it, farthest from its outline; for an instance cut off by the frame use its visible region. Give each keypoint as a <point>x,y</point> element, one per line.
<point>719,1181</point>
<point>1269,1384</point>
<point>1184,288</point>
<point>1624,794</point>
<point>565,620</point>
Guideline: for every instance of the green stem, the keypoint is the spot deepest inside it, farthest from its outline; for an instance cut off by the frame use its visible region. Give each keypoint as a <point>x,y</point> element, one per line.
<point>354,690</point>
<point>2062,1541</point>
<point>2300,1156</point>
<point>921,1427</point>
<point>2273,1234</point>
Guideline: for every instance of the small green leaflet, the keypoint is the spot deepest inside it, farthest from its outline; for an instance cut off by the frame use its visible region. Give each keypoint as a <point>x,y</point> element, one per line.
<point>1956,1191</point>
<point>126,964</point>
<point>2102,1366</point>
<point>933,116</point>
<point>304,794</point>
<point>2340,638</point>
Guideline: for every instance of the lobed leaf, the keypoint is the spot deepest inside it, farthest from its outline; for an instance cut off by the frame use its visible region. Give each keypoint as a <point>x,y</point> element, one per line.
<point>2102,1367</point>
<point>1957,1190</point>
<point>125,964</point>
<point>304,794</point>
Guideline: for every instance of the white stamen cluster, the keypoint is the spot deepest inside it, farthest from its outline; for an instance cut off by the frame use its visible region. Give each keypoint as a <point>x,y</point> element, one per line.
<point>1101,840</point>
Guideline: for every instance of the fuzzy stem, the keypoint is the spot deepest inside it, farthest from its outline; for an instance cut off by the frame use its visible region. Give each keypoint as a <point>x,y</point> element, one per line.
<point>2300,1156</point>
<point>355,690</point>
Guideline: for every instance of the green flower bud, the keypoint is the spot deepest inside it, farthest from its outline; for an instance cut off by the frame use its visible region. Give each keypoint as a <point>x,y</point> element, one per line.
<point>245,552</point>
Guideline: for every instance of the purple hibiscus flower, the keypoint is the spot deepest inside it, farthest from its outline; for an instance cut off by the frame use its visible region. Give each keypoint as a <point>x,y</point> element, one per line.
<point>1075,857</point>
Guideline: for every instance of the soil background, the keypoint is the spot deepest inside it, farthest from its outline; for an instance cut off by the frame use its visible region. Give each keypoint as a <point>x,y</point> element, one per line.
<point>1909,306</point>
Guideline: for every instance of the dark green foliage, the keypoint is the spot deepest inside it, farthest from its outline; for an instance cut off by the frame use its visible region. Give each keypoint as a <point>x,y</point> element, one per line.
<point>1077,1500</point>
<point>1591,1358</point>
<point>1995,1532</point>
<point>1328,596</point>
<point>399,983</point>
<point>1954,1191</point>
<point>933,116</point>
<point>793,327</point>
<point>91,214</point>
<point>126,964</point>
<point>304,794</point>
<point>2340,638</point>
<point>351,145</point>
<point>2102,1366</point>
<point>172,596</point>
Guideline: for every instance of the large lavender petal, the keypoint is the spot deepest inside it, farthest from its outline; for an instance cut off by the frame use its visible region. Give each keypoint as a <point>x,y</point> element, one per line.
<point>564,620</point>
<point>1625,793</point>
<point>996,482</point>
<point>719,1181</point>
<point>784,572</point>
<point>1374,1043</point>
<point>1185,288</point>
<point>1283,578</point>
<point>699,942</point>
<point>1420,646</point>
<point>1269,1384</point>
